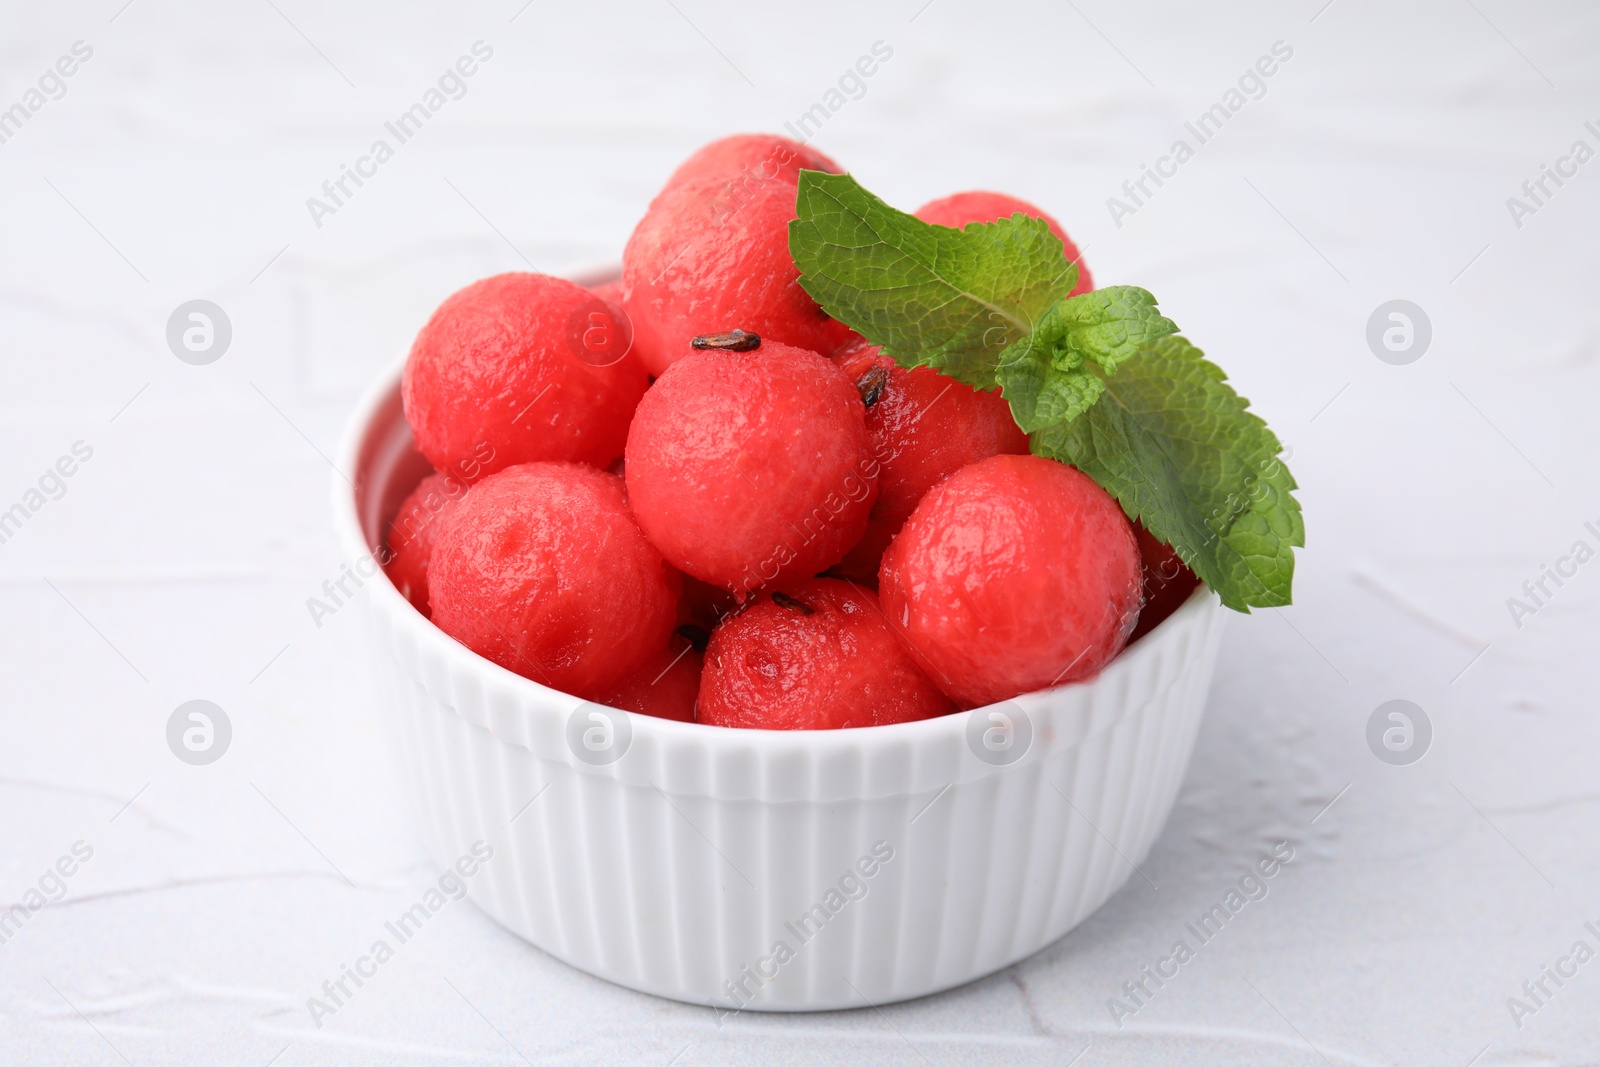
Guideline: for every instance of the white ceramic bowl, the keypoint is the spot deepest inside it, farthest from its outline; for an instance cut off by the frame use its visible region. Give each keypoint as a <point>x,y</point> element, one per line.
<point>771,870</point>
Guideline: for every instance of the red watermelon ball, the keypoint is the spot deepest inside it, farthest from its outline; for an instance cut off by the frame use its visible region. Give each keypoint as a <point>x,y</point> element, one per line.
<point>752,157</point>
<point>666,686</point>
<point>751,469</point>
<point>924,426</point>
<point>958,210</point>
<point>822,658</point>
<point>1167,581</point>
<point>521,368</point>
<point>712,255</point>
<point>1014,574</point>
<point>543,570</point>
<point>611,291</point>
<point>416,524</point>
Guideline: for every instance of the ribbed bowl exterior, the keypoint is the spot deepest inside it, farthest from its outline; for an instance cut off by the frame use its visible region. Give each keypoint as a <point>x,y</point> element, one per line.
<point>768,870</point>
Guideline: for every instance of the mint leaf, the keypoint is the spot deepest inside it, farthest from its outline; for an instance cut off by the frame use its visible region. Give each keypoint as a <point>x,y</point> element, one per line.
<point>1041,374</point>
<point>929,295</point>
<point>1105,327</point>
<point>1097,380</point>
<point>1042,395</point>
<point>1177,447</point>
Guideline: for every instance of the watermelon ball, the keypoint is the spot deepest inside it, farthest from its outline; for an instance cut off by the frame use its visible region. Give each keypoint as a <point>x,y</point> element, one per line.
<point>821,658</point>
<point>752,157</point>
<point>925,427</point>
<point>958,210</point>
<point>520,368</point>
<point>1167,582</point>
<point>751,469</point>
<point>711,255</point>
<point>412,533</point>
<point>666,686</point>
<point>608,330</point>
<point>543,570</point>
<point>1014,574</point>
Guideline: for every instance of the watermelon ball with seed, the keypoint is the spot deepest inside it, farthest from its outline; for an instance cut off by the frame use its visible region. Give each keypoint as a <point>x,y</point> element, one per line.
<point>517,368</point>
<point>821,658</point>
<point>963,208</point>
<point>925,426</point>
<point>411,535</point>
<point>710,255</point>
<point>751,470</point>
<point>1014,574</point>
<point>543,570</point>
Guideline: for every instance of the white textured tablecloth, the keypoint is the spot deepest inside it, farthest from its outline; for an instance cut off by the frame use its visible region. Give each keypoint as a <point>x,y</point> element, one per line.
<point>176,561</point>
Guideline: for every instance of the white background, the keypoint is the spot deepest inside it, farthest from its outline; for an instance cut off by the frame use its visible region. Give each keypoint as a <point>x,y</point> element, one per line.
<point>179,562</point>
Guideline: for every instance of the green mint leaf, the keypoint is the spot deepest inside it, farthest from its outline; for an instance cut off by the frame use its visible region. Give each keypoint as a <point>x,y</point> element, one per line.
<point>929,295</point>
<point>1041,394</point>
<point>1042,375</point>
<point>1104,327</point>
<point>1181,452</point>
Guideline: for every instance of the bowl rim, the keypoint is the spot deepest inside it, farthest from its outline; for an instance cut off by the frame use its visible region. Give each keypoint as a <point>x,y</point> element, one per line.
<point>353,543</point>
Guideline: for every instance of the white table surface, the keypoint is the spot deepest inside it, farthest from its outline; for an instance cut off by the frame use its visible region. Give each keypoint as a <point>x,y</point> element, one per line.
<point>178,563</point>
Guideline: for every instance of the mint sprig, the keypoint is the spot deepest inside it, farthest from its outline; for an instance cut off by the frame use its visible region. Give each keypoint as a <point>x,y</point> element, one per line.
<point>1097,380</point>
